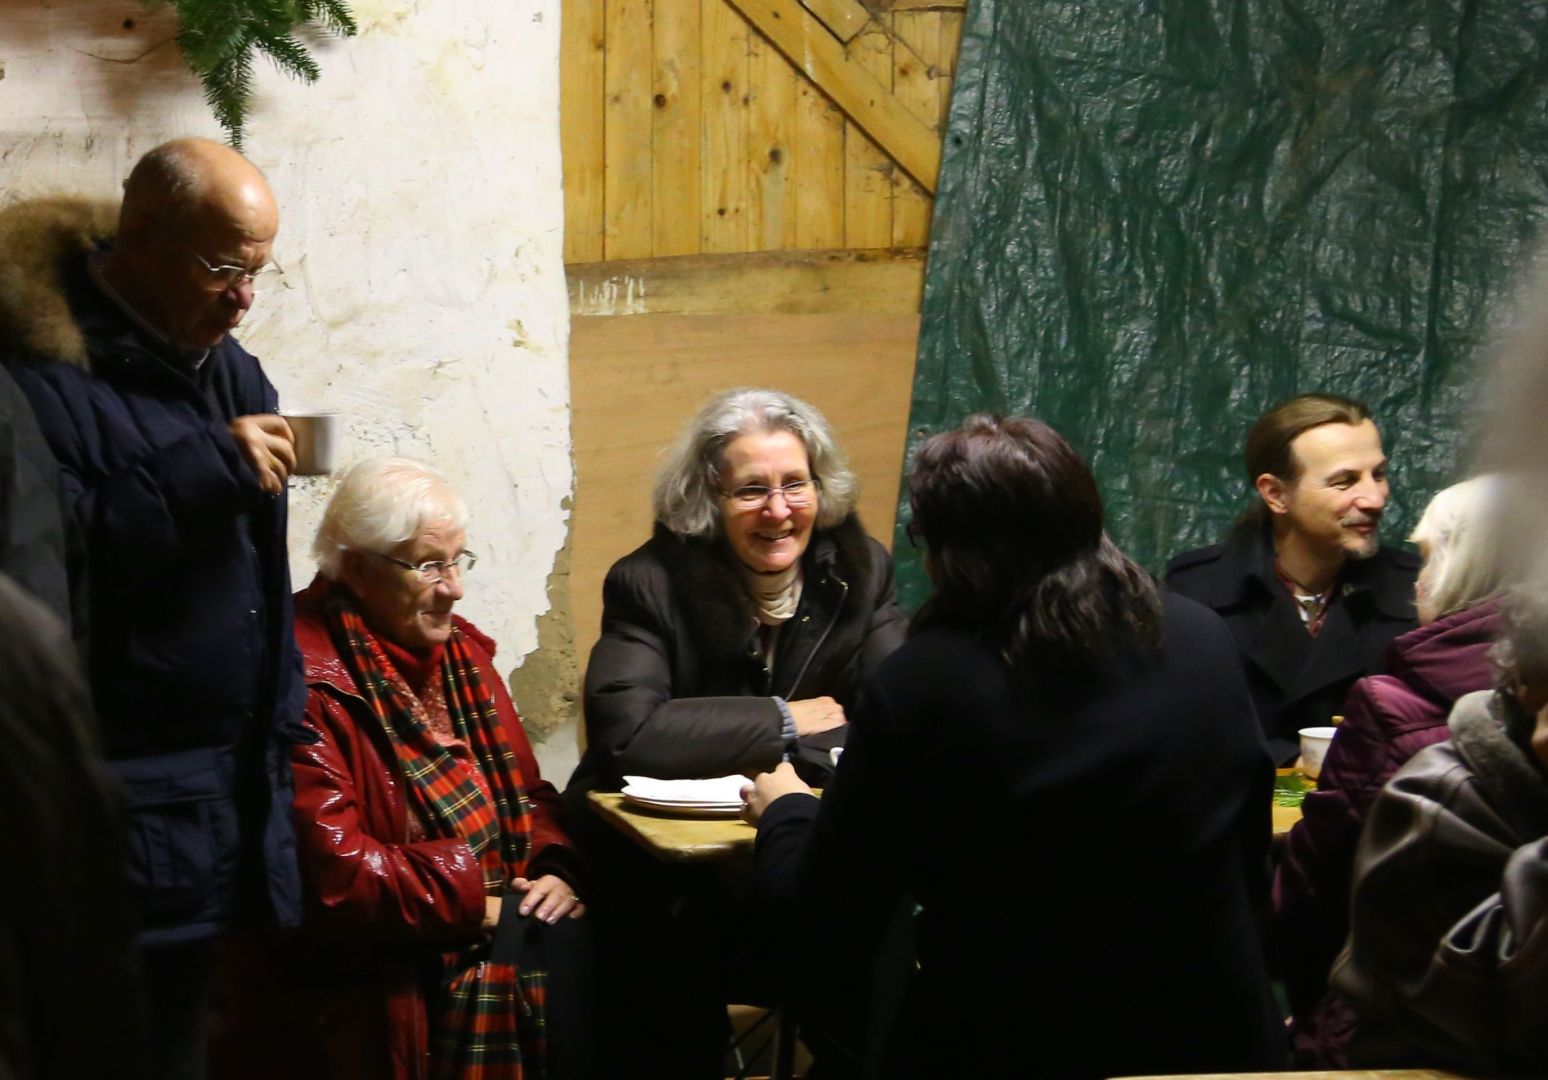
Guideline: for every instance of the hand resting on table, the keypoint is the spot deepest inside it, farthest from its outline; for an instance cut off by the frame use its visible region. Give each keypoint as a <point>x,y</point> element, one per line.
<point>814,715</point>
<point>767,787</point>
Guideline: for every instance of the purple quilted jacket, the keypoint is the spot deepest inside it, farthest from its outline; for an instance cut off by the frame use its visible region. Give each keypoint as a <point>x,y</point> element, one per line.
<point>1387,720</point>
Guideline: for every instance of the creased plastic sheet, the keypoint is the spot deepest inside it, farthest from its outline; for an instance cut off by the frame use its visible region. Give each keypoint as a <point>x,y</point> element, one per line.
<point>1154,220</point>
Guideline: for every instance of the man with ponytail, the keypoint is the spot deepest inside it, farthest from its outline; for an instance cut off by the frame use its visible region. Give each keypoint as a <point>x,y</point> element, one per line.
<point>1311,595</point>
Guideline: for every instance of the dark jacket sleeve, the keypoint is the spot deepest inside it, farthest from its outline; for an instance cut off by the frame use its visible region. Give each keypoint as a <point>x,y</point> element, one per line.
<point>32,538</point>
<point>836,869</point>
<point>1449,924</point>
<point>146,515</point>
<point>358,885</point>
<point>888,624</point>
<point>632,715</point>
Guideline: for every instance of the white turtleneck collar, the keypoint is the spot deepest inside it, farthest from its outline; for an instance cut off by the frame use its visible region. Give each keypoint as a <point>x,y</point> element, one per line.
<point>776,595</point>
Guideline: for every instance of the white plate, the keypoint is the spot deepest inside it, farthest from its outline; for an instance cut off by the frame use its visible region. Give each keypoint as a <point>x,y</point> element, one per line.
<point>685,809</point>
<point>717,790</point>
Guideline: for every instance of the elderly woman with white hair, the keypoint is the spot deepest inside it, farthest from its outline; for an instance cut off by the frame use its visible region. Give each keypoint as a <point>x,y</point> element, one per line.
<point>736,637</point>
<point>439,883</point>
<point>1387,720</point>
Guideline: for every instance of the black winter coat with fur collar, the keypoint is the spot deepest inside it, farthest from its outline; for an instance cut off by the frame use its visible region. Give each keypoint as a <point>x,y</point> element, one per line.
<point>677,686</point>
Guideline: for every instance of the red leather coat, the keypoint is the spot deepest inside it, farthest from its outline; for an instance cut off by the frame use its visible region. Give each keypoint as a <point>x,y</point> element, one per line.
<point>383,900</point>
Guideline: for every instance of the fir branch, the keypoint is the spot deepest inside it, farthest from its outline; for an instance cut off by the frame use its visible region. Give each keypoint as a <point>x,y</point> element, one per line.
<point>291,57</point>
<point>209,32</point>
<point>218,38</point>
<point>332,14</point>
<point>228,87</point>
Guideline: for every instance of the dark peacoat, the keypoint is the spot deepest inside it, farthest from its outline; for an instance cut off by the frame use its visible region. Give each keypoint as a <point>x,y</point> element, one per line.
<point>677,686</point>
<point>1087,876</point>
<point>1298,680</point>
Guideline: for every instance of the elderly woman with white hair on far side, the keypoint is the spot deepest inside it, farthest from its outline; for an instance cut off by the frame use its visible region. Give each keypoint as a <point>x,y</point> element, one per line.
<point>440,887</point>
<point>739,633</point>
<point>1388,718</point>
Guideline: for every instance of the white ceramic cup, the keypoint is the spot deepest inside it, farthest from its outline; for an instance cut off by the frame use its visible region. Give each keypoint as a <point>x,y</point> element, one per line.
<point>1314,747</point>
<point>319,438</point>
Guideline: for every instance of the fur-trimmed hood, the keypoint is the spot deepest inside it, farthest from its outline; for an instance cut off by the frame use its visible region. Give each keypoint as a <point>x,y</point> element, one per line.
<point>1492,733</point>
<point>38,239</point>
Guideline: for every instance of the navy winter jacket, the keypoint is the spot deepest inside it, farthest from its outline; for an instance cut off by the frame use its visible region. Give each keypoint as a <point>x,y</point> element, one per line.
<point>192,662</point>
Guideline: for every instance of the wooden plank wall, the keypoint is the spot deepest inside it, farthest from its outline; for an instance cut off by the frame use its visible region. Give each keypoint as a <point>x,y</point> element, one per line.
<point>685,130</point>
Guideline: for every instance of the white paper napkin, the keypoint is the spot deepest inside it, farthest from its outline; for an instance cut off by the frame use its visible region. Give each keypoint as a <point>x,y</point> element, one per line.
<point>717,790</point>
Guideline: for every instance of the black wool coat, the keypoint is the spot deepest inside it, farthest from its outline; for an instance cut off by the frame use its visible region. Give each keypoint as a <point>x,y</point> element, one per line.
<point>1298,680</point>
<point>1087,869</point>
<point>677,686</point>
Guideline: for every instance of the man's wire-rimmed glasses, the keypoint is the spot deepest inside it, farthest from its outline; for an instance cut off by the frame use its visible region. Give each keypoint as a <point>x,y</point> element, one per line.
<point>227,276</point>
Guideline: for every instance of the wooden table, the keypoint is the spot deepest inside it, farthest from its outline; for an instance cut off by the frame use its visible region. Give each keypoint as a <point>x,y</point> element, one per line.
<point>673,838</point>
<point>1285,818</point>
<point>689,839</point>
<point>1352,1074</point>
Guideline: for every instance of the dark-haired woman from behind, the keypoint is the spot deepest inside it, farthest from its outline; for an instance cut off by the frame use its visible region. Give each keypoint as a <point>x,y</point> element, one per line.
<point>1063,768</point>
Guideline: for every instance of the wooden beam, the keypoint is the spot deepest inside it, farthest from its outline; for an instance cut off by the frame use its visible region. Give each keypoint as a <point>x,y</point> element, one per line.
<point>771,147</point>
<point>870,175</point>
<point>917,84</point>
<point>768,283</point>
<point>918,5</point>
<point>844,18</point>
<point>676,137</point>
<point>807,44</point>
<point>581,95</point>
<point>724,176</point>
<point>626,173</point>
<point>819,169</point>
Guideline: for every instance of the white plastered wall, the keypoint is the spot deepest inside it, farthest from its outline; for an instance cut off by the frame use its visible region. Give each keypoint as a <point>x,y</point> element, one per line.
<point>421,217</point>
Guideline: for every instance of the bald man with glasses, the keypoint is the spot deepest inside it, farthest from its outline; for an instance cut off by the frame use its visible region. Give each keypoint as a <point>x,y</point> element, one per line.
<point>116,323</point>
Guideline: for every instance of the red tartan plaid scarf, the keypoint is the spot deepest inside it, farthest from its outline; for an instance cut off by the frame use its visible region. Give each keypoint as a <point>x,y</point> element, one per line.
<point>489,1023</point>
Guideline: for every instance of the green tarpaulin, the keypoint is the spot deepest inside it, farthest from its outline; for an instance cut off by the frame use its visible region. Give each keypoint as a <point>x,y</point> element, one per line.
<point>1157,219</point>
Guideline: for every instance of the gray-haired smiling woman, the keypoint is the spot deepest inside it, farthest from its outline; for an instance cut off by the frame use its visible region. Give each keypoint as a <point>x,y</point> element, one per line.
<point>738,635</point>
<point>740,632</point>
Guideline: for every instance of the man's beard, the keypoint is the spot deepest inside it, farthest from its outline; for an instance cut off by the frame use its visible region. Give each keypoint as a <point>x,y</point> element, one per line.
<point>1368,546</point>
